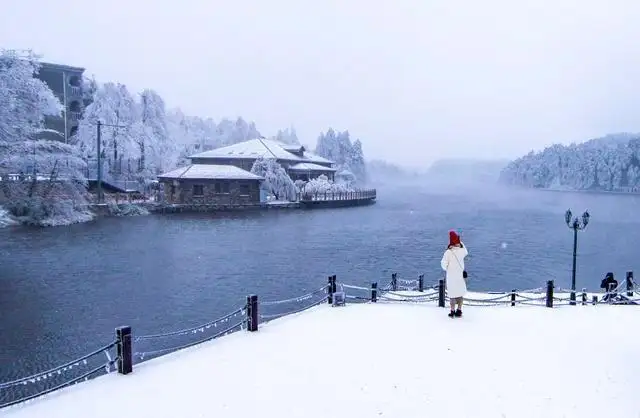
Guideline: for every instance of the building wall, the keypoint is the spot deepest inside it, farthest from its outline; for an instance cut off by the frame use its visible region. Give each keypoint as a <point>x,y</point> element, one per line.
<point>59,79</point>
<point>229,192</point>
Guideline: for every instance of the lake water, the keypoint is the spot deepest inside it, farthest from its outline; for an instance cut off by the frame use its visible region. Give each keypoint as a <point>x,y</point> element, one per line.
<point>63,290</point>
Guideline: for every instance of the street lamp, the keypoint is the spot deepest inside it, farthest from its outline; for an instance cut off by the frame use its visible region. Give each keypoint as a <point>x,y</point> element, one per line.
<point>577,225</point>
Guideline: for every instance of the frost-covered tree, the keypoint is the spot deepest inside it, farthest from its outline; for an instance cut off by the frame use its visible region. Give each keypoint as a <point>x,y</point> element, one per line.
<point>608,163</point>
<point>42,180</point>
<point>337,147</point>
<point>276,180</point>
<point>157,151</point>
<point>287,136</point>
<point>121,131</point>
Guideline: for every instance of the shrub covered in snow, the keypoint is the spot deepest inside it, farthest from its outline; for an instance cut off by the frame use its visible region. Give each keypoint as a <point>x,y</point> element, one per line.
<point>126,209</point>
<point>38,211</point>
<point>322,184</point>
<point>6,219</point>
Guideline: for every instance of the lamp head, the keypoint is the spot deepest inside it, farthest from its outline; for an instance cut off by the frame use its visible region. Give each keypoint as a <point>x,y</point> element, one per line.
<point>567,217</point>
<point>585,218</point>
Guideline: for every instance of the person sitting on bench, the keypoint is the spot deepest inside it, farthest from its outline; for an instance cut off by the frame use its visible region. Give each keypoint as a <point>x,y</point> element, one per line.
<point>609,284</point>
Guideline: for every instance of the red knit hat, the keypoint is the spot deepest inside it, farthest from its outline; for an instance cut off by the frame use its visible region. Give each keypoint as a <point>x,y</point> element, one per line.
<point>454,239</point>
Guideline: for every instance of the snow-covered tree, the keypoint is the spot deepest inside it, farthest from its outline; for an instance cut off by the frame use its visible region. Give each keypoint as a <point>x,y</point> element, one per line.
<point>337,147</point>
<point>608,163</point>
<point>287,136</point>
<point>42,180</point>
<point>157,151</point>
<point>24,99</point>
<point>121,129</point>
<point>276,180</point>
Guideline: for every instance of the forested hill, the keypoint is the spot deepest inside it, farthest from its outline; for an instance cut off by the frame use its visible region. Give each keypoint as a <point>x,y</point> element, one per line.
<point>610,163</point>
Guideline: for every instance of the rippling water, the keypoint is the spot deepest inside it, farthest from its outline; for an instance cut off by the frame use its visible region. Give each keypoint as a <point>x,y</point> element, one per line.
<point>63,290</point>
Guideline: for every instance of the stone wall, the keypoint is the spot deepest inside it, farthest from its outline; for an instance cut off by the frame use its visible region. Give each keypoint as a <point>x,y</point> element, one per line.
<point>183,193</point>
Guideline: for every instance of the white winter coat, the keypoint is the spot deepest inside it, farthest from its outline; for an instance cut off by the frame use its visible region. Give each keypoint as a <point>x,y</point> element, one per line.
<point>453,263</point>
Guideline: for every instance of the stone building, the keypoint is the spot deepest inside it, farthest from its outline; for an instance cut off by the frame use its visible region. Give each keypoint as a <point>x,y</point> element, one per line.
<point>210,184</point>
<point>295,159</point>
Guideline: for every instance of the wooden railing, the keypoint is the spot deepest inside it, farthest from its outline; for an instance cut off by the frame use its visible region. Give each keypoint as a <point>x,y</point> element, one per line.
<point>367,194</point>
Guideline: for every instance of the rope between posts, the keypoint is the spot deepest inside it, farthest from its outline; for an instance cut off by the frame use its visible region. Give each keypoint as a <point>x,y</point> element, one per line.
<point>296,299</point>
<point>410,296</point>
<point>85,376</point>
<point>192,329</point>
<point>350,286</point>
<point>49,372</point>
<point>274,316</point>
<point>142,354</point>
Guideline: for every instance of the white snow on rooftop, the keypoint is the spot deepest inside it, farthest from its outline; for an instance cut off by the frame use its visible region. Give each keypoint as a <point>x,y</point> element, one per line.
<point>384,360</point>
<point>210,171</point>
<point>254,148</point>
<point>310,167</point>
<point>314,158</point>
<point>266,148</point>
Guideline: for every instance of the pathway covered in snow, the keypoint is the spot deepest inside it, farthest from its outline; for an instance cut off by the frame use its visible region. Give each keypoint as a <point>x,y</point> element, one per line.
<point>385,360</point>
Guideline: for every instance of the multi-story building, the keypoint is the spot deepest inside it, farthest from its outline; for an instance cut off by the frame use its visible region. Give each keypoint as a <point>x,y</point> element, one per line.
<point>66,83</point>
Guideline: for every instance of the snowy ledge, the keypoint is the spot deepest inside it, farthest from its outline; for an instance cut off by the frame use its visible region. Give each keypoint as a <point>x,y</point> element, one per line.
<point>386,359</point>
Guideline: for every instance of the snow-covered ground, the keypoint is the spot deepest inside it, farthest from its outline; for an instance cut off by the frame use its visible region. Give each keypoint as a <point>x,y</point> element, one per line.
<point>397,360</point>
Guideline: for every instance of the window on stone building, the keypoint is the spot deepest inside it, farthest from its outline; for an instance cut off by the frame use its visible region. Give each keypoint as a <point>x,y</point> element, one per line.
<point>244,190</point>
<point>222,187</point>
<point>198,190</point>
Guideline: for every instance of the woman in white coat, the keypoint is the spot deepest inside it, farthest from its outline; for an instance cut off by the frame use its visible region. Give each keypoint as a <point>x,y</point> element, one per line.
<point>453,263</point>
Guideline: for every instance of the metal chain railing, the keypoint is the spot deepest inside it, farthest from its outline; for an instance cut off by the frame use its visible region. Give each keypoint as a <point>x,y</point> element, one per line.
<point>317,297</point>
<point>14,389</point>
<point>231,322</point>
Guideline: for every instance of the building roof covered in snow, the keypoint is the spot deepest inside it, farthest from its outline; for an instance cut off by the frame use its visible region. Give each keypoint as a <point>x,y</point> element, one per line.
<point>254,148</point>
<point>345,173</point>
<point>210,172</point>
<point>310,167</point>
<point>265,148</point>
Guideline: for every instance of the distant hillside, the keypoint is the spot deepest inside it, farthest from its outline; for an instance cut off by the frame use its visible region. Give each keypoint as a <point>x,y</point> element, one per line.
<point>382,172</point>
<point>467,170</point>
<point>610,163</point>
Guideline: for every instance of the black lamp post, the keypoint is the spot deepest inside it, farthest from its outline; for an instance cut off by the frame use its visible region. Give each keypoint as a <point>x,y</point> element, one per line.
<point>577,225</point>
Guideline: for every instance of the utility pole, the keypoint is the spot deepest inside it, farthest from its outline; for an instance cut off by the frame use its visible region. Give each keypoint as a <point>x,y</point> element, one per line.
<point>99,176</point>
<point>64,100</point>
<point>99,125</point>
<point>577,225</point>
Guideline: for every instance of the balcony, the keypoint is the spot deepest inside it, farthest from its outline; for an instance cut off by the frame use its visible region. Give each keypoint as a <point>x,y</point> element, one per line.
<point>74,116</point>
<point>74,91</point>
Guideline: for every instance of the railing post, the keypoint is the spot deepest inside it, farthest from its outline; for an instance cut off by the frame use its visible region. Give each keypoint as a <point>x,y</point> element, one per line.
<point>441,290</point>
<point>374,292</point>
<point>629,284</point>
<point>252,313</point>
<point>394,281</point>
<point>550,294</point>
<point>421,283</point>
<point>584,296</point>
<point>330,287</point>
<point>123,350</point>
<point>513,297</point>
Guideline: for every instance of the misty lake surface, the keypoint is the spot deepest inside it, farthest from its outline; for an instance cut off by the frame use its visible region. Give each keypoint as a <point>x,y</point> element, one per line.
<point>64,290</point>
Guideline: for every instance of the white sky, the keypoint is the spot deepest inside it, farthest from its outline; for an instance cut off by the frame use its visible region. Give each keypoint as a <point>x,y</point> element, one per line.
<point>415,80</point>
